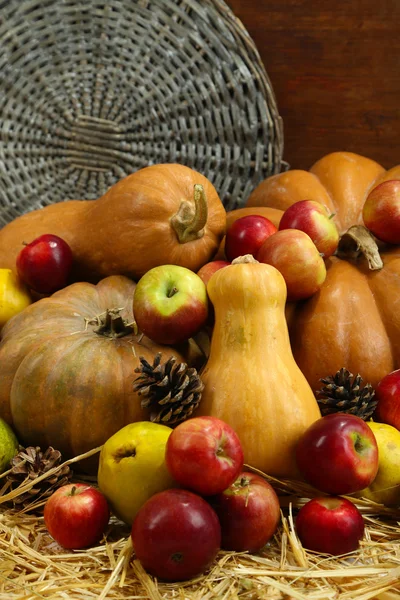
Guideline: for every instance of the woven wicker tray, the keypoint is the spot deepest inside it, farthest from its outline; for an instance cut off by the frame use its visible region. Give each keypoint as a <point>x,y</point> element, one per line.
<point>91,91</point>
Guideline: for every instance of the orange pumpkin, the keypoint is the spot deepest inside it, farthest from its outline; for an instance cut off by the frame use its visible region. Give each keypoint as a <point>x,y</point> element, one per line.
<point>67,367</point>
<point>354,321</point>
<point>165,213</point>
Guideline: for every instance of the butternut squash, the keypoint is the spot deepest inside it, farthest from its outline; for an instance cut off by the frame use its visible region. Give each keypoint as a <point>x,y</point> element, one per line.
<point>251,379</point>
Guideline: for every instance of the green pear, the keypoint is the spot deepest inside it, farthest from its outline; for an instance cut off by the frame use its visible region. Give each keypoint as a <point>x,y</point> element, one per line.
<point>385,488</point>
<point>132,467</point>
<point>8,445</point>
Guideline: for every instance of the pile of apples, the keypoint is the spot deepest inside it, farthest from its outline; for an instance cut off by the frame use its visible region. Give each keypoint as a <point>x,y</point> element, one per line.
<point>216,503</point>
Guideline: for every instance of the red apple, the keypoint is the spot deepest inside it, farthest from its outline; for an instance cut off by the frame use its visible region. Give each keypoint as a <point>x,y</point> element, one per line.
<point>246,235</point>
<point>381,211</point>
<point>314,219</point>
<point>170,304</point>
<point>45,264</point>
<point>209,269</point>
<point>294,254</point>
<point>387,392</point>
<point>76,515</point>
<point>249,513</point>
<point>330,524</point>
<point>204,454</point>
<point>176,535</point>
<point>338,454</point>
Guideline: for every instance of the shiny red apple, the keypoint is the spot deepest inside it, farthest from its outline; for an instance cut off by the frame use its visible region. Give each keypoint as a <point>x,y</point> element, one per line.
<point>176,535</point>
<point>294,254</point>
<point>170,304</point>
<point>204,454</point>
<point>249,513</point>
<point>381,211</point>
<point>45,264</point>
<point>387,392</point>
<point>76,515</point>
<point>210,268</point>
<point>314,219</point>
<point>246,235</point>
<point>330,524</point>
<point>338,454</point>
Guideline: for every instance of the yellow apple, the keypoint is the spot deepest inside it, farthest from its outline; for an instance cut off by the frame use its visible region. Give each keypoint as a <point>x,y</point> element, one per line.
<point>8,445</point>
<point>132,467</point>
<point>385,489</point>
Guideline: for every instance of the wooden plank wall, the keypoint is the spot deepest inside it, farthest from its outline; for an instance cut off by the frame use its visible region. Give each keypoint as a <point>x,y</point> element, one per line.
<point>335,69</point>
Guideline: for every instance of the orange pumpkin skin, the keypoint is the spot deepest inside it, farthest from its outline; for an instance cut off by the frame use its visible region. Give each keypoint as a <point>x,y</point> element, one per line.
<point>353,321</point>
<point>131,228</point>
<point>65,385</point>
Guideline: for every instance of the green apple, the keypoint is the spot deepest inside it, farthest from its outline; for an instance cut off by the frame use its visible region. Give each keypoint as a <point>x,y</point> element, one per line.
<point>385,488</point>
<point>170,304</point>
<point>8,445</point>
<point>132,467</point>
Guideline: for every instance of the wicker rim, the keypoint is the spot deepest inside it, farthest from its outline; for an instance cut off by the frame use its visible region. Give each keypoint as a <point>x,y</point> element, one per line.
<point>92,91</point>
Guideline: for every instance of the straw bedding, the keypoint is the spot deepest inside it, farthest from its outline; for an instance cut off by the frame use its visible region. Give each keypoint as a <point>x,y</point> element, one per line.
<point>33,565</point>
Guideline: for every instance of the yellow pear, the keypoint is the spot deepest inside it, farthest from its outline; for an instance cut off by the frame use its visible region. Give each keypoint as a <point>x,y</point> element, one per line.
<point>385,489</point>
<point>132,467</point>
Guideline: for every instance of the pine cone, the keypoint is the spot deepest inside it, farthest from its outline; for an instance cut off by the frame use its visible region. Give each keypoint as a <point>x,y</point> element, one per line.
<point>171,390</point>
<point>28,465</point>
<point>345,393</point>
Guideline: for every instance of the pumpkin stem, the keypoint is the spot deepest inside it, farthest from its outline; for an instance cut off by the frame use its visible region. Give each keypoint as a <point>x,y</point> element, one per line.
<point>357,242</point>
<point>112,324</point>
<point>246,258</point>
<point>190,220</point>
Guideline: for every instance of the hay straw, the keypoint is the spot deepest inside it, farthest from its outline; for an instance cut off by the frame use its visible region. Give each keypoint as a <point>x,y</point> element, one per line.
<point>33,566</point>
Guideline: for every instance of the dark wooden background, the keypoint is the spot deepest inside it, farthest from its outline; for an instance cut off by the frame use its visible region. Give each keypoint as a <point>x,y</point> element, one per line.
<point>335,70</point>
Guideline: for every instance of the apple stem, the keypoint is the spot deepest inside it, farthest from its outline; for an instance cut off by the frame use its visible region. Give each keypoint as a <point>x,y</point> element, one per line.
<point>174,290</point>
<point>73,491</point>
<point>358,242</point>
<point>190,220</point>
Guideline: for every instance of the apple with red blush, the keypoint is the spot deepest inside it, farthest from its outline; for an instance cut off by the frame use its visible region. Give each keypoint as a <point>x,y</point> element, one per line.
<point>204,454</point>
<point>45,263</point>
<point>330,524</point>
<point>246,235</point>
<point>210,268</point>
<point>338,454</point>
<point>176,535</point>
<point>249,513</point>
<point>314,219</point>
<point>295,255</point>
<point>76,515</point>
<point>381,211</point>
<point>170,304</point>
<point>387,392</point>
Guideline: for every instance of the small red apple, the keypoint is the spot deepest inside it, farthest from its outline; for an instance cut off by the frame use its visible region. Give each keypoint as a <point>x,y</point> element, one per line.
<point>170,304</point>
<point>209,269</point>
<point>314,219</point>
<point>176,535</point>
<point>249,513</point>
<point>387,392</point>
<point>45,264</point>
<point>330,524</point>
<point>76,515</point>
<point>338,454</point>
<point>381,211</point>
<point>294,254</point>
<point>246,235</point>
<point>204,454</point>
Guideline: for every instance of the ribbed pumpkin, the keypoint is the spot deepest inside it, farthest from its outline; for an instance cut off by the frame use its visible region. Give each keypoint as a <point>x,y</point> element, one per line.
<point>166,213</point>
<point>67,367</point>
<point>354,321</point>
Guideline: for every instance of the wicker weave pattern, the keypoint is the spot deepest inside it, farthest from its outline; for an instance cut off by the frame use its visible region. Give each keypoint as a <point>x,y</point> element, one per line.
<point>91,91</point>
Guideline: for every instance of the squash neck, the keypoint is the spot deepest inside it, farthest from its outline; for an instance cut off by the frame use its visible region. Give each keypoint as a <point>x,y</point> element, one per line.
<point>190,220</point>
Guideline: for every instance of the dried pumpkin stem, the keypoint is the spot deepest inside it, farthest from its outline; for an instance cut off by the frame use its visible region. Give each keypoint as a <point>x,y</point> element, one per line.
<point>191,218</point>
<point>358,242</point>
